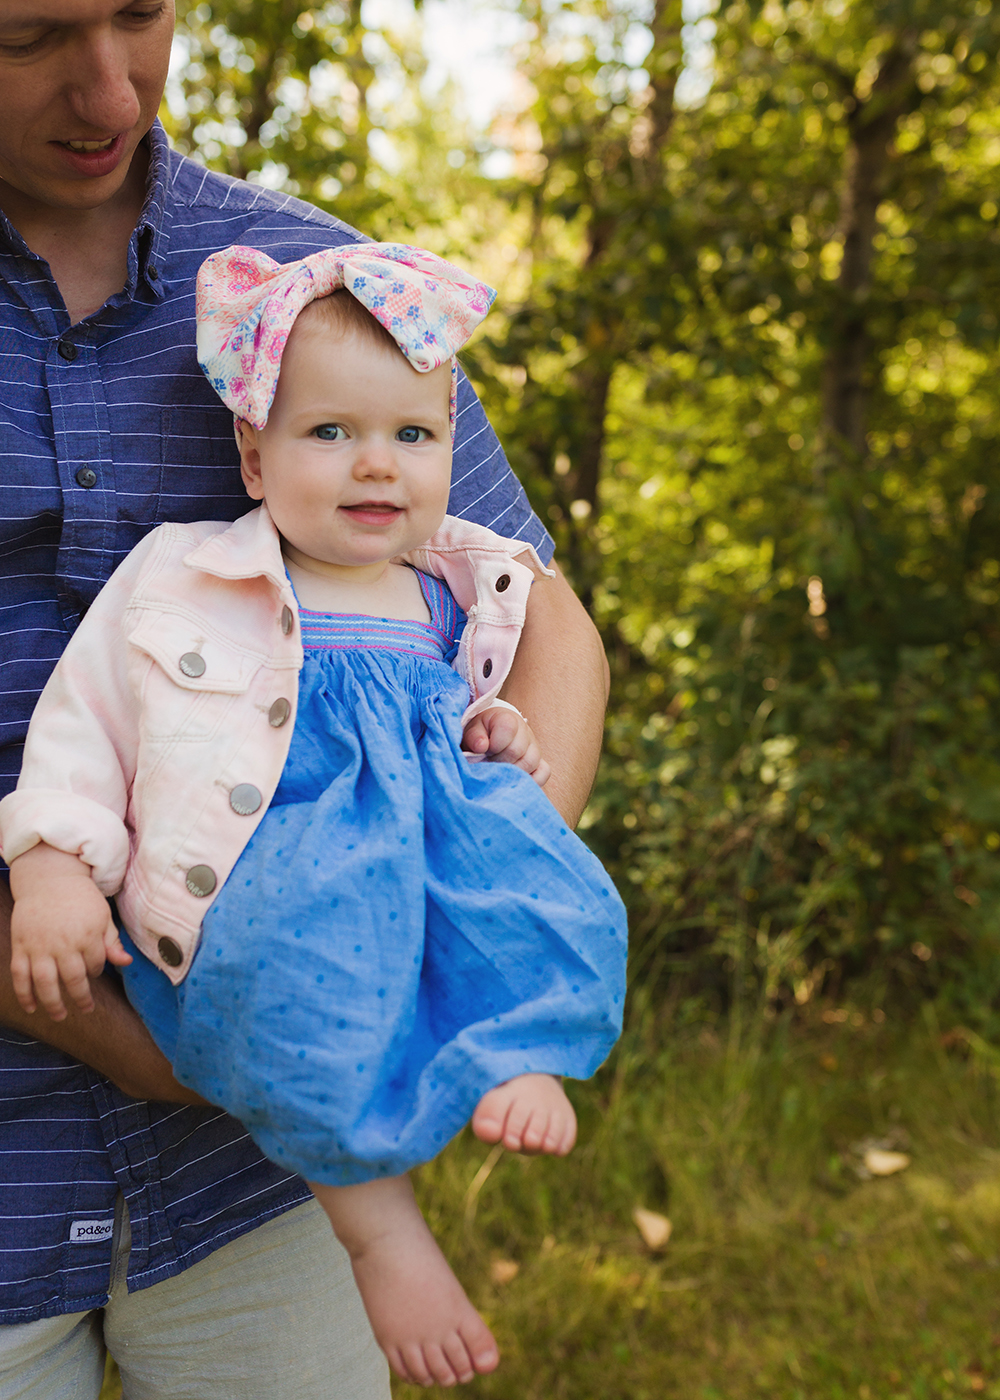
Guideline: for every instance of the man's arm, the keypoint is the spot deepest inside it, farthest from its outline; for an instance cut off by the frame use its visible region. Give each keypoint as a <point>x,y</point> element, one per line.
<point>111,1038</point>
<point>559,681</point>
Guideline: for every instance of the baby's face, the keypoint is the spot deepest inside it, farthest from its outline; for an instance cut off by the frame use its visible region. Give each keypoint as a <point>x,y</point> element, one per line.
<point>355,460</point>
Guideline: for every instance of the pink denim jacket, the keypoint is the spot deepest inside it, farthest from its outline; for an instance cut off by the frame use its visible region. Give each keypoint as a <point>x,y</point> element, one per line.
<point>159,740</point>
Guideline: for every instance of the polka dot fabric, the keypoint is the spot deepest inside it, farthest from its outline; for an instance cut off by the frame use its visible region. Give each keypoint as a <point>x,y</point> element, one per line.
<point>404,931</point>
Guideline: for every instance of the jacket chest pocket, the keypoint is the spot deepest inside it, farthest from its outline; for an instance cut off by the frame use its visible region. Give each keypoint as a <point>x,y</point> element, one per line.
<point>194,678</point>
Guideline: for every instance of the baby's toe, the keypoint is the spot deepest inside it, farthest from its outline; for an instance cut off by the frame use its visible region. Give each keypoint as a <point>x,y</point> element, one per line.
<point>457,1354</point>
<point>487,1125</point>
<point>536,1131</point>
<point>411,1364</point>
<point>567,1139</point>
<point>438,1364</point>
<point>518,1119</point>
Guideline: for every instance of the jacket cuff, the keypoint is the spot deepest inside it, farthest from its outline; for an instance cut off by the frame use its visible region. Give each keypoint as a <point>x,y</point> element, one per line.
<point>70,823</point>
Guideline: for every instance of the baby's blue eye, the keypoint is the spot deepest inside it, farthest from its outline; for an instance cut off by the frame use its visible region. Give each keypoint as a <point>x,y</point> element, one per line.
<point>411,434</point>
<point>329,432</point>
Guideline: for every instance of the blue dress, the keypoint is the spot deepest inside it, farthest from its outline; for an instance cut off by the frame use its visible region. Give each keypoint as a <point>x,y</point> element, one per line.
<point>405,929</point>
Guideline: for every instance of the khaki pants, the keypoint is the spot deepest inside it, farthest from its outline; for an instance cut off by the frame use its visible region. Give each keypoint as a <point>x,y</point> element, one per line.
<point>274,1315</point>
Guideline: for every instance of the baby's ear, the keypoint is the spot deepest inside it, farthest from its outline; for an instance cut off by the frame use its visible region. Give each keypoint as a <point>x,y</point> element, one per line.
<point>250,461</point>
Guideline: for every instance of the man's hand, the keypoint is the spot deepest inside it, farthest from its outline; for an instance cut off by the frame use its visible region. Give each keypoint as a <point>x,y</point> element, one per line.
<point>62,931</point>
<point>504,736</point>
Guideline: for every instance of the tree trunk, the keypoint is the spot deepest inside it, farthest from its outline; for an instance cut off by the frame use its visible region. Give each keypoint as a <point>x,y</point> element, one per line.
<point>871,126</point>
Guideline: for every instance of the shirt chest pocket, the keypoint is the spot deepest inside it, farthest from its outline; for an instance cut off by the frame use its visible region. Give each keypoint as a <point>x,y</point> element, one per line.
<point>194,679</point>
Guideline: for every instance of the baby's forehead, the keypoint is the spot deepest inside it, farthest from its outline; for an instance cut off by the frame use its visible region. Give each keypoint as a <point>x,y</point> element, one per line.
<point>336,334</point>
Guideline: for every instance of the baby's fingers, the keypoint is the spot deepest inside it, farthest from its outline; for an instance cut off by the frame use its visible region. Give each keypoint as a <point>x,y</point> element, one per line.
<point>509,735</point>
<point>476,737</point>
<point>45,976</point>
<point>20,976</point>
<point>74,973</point>
<point>114,949</point>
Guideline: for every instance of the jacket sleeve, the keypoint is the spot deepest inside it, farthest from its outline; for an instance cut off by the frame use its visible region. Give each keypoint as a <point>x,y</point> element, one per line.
<point>80,753</point>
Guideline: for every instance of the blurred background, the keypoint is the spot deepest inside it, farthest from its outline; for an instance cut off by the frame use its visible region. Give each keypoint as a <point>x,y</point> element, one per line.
<point>746,360</point>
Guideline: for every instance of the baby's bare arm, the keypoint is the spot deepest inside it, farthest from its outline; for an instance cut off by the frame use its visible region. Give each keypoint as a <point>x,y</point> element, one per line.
<point>62,931</point>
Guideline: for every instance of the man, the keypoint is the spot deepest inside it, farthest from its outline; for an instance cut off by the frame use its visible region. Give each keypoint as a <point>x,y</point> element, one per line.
<point>129,1211</point>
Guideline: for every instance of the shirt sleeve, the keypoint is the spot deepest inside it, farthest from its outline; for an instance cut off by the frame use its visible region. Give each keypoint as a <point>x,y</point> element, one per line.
<point>80,754</point>
<point>483,487</point>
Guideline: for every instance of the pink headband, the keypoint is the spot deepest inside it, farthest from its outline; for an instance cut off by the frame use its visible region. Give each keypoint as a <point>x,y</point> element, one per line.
<point>247,304</point>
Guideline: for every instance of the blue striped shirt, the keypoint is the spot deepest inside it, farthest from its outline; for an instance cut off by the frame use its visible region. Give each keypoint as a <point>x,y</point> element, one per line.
<point>108,428</point>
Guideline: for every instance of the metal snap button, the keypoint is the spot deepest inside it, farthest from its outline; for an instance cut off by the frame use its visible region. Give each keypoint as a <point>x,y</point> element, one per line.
<point>86,477</point>
<point>67,350</point>
<point>286,619</point>
<point>170,952</point>
<point>152,274</point>
<point>502,583</point>
<point>278,713</point>
<point>201,880</point>
<point>487,668</point>
<point>192,664</point>
<point>245,799</point>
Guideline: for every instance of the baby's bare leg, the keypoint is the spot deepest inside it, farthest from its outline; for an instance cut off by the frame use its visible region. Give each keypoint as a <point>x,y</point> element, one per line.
<point>530,1113</point>
<point>418,1310</point>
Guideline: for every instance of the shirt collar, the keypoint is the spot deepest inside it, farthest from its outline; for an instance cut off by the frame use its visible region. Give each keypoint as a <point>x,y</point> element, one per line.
<point>148,245</point>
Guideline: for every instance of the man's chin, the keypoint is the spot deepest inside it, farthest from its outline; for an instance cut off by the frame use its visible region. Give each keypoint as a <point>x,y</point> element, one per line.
<point>79,193</point>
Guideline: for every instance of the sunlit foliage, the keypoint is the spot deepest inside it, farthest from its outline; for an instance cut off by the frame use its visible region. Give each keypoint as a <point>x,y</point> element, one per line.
<point>746,360</point>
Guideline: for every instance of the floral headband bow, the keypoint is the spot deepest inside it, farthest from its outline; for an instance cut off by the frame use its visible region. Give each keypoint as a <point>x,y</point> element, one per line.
<point>247,304</point>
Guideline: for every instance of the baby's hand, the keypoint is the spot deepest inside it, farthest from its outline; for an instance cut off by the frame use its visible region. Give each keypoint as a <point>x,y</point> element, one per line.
<point>61,931</point>
<point>504,736</point>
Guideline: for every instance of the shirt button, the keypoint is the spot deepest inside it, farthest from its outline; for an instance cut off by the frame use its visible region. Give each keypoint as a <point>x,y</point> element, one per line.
<point>170,952</point>
<point>192,664</point>
<point>278,713</point>
<point>68,350</point>
<point>503,583</point>
<point>487,668</point>
<point>245,799</point>
<point>152,274</point>
<point>201,880</point>
<point>86,477</point>
<point>286,620</point>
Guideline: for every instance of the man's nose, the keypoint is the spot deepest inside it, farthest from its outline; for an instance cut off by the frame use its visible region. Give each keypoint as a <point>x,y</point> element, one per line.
<point>100,87</point>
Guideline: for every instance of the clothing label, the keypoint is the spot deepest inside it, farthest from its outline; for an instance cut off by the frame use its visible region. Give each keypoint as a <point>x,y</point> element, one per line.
<point>90,1231</point>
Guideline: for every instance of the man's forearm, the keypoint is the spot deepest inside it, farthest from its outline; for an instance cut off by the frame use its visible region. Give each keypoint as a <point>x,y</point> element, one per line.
<point>559,681</point>
<point>111,1038</point>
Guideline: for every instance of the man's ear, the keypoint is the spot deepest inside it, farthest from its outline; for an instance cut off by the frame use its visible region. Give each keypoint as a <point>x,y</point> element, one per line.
<point>250,461</point>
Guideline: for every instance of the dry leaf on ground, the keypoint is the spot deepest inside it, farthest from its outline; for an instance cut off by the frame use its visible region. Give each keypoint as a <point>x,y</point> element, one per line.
<point>504,1270</point>
<point>881,1163</point>
<point>654,1228</point>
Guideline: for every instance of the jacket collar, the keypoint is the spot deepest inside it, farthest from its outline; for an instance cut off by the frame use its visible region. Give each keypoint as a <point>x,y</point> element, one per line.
<point>249,548</point>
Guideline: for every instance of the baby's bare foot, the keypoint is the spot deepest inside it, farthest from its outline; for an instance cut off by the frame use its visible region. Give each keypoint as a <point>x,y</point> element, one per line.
<point>419,1313</point>
<point>528,1114</point>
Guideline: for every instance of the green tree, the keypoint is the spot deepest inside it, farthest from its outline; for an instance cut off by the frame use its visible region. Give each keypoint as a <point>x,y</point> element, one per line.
<point>745,359</point>
<point>315,101</point>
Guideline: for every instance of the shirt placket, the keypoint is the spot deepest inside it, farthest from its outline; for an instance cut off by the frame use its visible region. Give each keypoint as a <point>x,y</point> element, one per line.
<point>82,436</point>
<point>132,1150</point>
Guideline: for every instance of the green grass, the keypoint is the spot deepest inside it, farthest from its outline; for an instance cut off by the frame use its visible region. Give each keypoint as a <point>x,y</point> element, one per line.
<point>786,1275</point>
